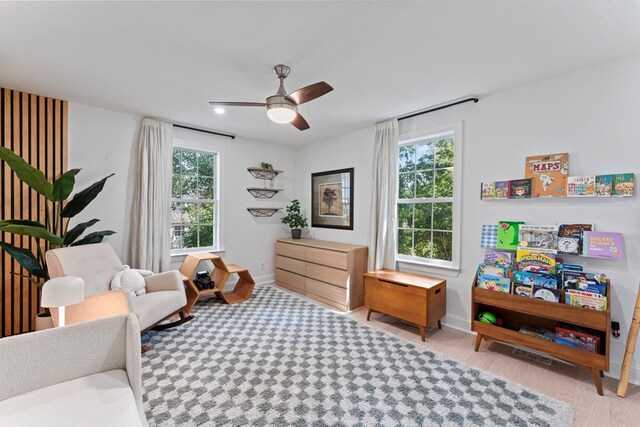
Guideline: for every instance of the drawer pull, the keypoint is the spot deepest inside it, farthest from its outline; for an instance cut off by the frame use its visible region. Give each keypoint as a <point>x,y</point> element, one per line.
<point>397,284</point>
<point>437,291</point>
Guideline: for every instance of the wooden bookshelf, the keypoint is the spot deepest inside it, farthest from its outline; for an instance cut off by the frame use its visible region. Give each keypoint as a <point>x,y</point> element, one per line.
<point>516,311</point>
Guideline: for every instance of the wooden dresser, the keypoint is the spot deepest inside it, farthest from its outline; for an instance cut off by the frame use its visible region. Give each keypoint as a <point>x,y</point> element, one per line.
<point>325,271</point>
<point>416,299</point>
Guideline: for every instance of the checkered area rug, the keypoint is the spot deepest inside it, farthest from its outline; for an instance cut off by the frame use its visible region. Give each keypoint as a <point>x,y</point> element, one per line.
<point>279,360</point>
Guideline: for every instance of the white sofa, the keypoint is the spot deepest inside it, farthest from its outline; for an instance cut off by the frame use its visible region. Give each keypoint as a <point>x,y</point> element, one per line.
<point>96,264</point>
<point>87,374</point>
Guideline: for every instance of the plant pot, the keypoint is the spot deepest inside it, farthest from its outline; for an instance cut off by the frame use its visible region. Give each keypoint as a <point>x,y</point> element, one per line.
<point>44,321</point>
<point>296,233</point>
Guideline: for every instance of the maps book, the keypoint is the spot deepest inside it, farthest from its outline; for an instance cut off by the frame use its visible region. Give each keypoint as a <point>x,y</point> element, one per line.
<point>623,184</point>
<point>604,185</point>
<point>548,174</point>
<point>520,188</point>
<point>581,186</point>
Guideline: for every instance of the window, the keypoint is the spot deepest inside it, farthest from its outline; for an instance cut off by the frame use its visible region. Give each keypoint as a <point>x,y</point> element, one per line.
<point>194,201</point>
<point>427,203</point>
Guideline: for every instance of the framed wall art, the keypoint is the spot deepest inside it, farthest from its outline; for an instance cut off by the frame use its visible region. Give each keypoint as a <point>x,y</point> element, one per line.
<point>332,199</point>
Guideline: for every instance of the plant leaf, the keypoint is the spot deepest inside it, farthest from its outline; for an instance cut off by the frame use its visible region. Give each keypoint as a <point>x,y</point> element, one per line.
<point>81,199</point>
<point>27,173</point>
<point>76,231</point>
<point>21,222</point>
<point>25,258</point>
<point>63,186</point>
<point>30,230</point>
<point>95,237</point>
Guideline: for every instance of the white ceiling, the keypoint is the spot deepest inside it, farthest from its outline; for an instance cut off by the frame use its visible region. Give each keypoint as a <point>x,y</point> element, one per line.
<point>383,58</point>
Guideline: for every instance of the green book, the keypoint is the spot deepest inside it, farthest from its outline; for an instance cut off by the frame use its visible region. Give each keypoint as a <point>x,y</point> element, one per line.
<point>508,234</point>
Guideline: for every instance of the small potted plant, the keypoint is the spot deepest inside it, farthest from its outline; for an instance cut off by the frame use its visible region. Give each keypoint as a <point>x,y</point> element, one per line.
<point>294,219</point>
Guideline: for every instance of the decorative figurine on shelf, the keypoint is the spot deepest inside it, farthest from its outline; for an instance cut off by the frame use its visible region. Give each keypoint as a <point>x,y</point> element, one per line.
<point>266,166</point>
<point>294,219</point>
<point>203,281</point>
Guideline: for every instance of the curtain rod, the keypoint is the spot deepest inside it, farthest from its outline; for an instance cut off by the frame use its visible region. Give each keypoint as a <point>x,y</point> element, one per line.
<point>440,107</point>
<point>204,131</point>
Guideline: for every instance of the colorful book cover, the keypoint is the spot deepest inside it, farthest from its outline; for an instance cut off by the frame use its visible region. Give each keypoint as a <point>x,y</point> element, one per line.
<point>508,235</point>
<point>581,186</point>
<point>488,190</point>
<point>624,184</point>
<point>492,270</point>
<point>520,188</point>
<point>570,237</point>
<point>546,294</point>
<point>582,334</point>
<point>502,190</point>
<point>598,244</point>
<point>584,281</point>
<point>489,236</point>
<point>536,261</point>
<point>548,174</point>
<point>522,290</point>
<point>537,279</point>
<point>498,257</point>
<point>538,237</point>
<point>574,300</point>
<point>604,185</point>
<point>537,332</point>
<point>500,284</point>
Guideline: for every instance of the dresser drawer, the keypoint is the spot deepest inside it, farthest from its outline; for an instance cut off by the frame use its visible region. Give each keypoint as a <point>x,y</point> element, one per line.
<point>327,274</point>
<point>326,257</point>
<point>402,301</point>
<point>291,281</point>
<point>290,264</point>
<point>326,291</point>
<point>290,250</point>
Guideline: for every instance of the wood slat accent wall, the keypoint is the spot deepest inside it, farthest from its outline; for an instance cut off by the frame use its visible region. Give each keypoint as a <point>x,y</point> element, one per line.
<point>34,127</point>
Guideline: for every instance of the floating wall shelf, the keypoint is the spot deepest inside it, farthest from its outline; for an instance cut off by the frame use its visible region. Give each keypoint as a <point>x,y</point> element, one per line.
<point>263,193</point>
<point>262,212</point>
<point>260,173</point>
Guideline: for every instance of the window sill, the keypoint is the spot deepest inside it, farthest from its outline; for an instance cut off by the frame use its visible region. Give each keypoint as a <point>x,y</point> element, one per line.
<point>186,252</point>
<point>423,267</point>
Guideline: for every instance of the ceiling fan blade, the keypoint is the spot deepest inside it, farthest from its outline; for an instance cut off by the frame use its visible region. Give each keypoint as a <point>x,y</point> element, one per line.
<point>238,104</point>
<point>309,93</point>
<point>300,122</point>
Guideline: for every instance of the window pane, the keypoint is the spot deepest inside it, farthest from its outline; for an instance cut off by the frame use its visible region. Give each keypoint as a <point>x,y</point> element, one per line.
<point>405,214</point>
<point>176,237</point>
<point>406,186</point>
<point>177,156</point>
<point>444,153</point>
<point>176,213</point>
<point>190,236</point>
<point>422,244</point>
<point>205,164</point>
<point>442,216</point>
<point>424,156</point>
<point>206,235</point>
<point>176,187</point>
<point>189,187</point>
<point>189,213</point>
<point>189,162</point>
<point>442,245</point>
<point>444,183</point>
<point>206,213</point>
<point>424,184</point>
<point>422,216</point>
<point>407,158</point>
<point>405,242</point>
<point>205,187</point>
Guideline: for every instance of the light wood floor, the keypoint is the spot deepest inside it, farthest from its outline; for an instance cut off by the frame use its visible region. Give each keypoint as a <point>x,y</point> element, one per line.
<point>559,380</point>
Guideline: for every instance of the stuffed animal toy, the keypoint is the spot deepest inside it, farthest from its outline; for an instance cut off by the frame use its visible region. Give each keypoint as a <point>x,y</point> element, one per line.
<point>130,280</point>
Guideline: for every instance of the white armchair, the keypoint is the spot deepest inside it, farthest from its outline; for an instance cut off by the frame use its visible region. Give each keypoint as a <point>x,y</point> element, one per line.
<point>97,264</point>
<point>79,375</point>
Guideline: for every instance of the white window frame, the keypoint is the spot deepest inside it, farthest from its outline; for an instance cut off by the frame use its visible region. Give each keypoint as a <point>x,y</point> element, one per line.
<point>429,265</point>
<point>206,148</point>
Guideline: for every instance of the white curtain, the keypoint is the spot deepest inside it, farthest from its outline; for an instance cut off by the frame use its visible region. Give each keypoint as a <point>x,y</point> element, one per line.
<point>150,239</point>
<point>382,241</point>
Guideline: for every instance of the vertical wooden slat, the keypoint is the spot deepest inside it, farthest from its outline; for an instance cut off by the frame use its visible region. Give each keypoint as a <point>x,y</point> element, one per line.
<point>35,128</point>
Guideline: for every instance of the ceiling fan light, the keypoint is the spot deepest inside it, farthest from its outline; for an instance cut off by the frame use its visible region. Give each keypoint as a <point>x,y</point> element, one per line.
<point>281,113</point>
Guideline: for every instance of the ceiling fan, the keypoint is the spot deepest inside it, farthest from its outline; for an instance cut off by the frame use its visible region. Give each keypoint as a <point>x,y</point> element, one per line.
<point>283,108</point>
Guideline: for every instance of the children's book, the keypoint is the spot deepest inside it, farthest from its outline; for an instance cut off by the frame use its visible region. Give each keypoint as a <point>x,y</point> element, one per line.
<point>570,237</point>
<point>548,174</point>
<point>498,257</point>
<point>522,290</point>
<point>489,236</point>
<point>583,334</point>
<point>500,284</point>
<point>546,294</point>
<point>502,190</point>
<point>492,270</point>
<point>575,300</point>
<point>520,188</point>
<point>538,237</point>
<point>508,235</point>
<point>488,190</point>
<point>536,261</point>
<point>598,244</point>
<point>624,184</point>
<point>604,185</point>
<point>537,332</point>
<point>537,279</point>
<point>581,186</point>
<point>584,281</point>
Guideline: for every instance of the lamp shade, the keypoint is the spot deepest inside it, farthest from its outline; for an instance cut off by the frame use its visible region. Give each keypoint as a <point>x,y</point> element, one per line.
<point>281,112</point>
<point>62,291</point>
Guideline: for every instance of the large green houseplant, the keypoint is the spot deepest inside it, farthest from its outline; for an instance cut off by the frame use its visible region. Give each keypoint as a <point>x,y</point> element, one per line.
<point>55,232</point>
<point>294,219</point>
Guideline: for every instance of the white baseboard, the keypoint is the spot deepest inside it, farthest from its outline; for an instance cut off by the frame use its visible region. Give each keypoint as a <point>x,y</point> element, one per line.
<point>456,322</point>
<point>263,280</point>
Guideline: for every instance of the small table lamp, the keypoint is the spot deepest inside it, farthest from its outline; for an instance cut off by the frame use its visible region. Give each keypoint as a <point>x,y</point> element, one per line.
<point>62,291</point>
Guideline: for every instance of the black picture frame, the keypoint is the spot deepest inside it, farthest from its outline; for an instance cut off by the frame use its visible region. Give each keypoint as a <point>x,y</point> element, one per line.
<point>327,188</point>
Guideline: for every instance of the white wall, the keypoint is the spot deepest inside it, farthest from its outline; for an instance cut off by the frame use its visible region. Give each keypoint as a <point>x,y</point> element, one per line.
<point>102,142</point>
<point>590,113</point>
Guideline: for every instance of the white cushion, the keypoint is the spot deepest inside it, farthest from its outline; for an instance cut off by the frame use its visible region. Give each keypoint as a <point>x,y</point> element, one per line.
<point>98,400</point>
<point>155,306</point>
